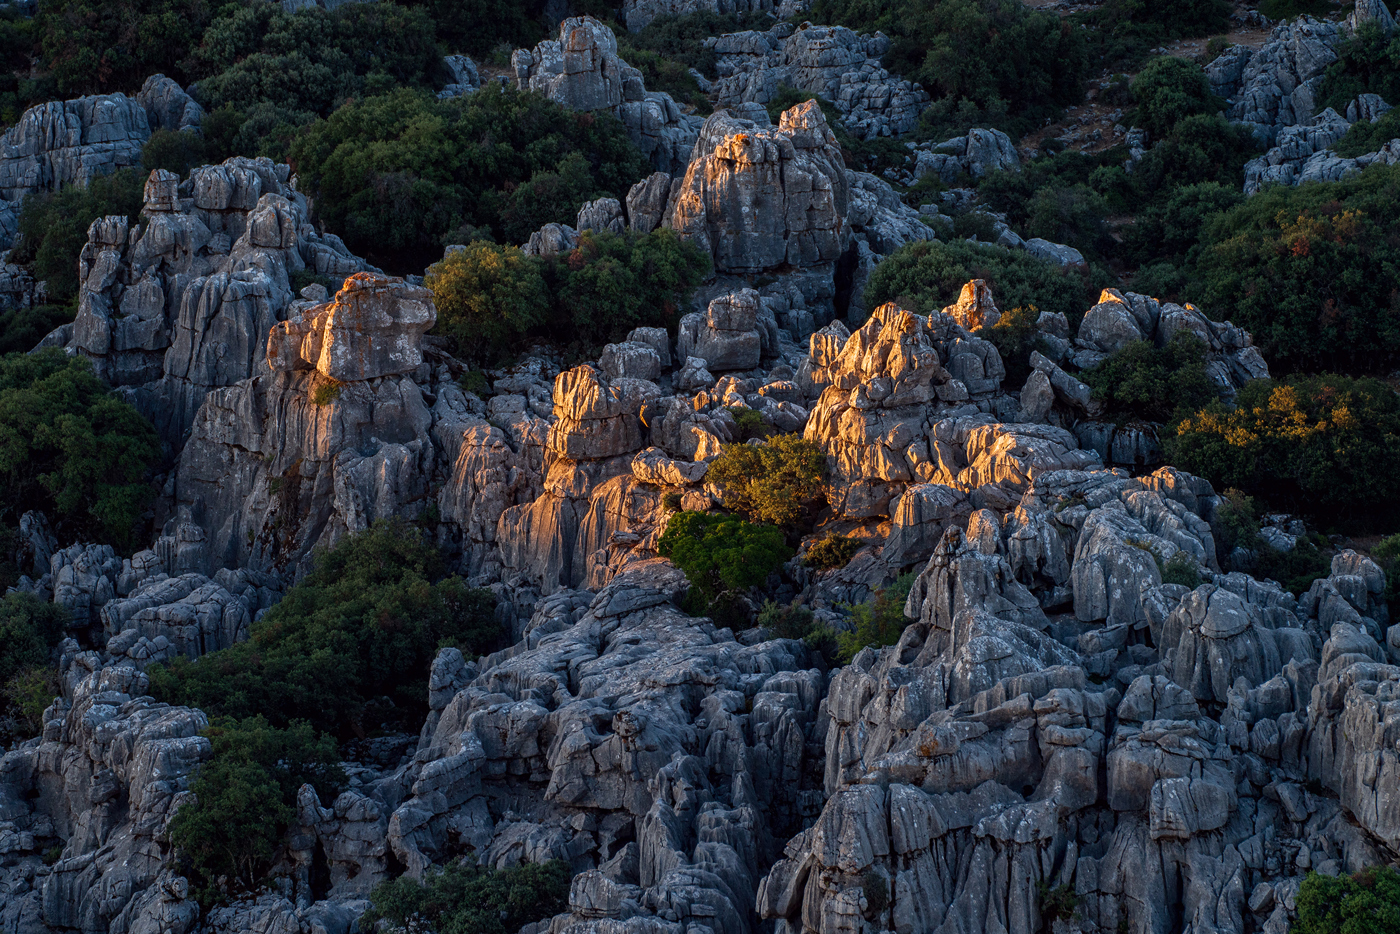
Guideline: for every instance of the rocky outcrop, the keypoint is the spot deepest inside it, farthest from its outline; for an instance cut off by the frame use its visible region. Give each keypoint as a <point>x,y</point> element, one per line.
<point>581,70</point>
<point>335,436</point>
<point>1278,85</point>
<point>182,302</point>
<point>1304,153</point>
<point>757,198</point>
<point>978,153</point>
<point>837,64</point>
<point>112,767</point>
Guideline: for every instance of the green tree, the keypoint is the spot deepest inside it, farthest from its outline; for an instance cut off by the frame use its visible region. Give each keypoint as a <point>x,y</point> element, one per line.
<point>1367,63</point>
<point>393,173</point>
<point>53,226</point>
<point>877,623</point>
<point>466,898</point>
<point>487,296</point>
<point>245,800</point>
<point>780,481</point>
<point>722,554</point>
<point>1324,446</point>
<point>70,447</point>
<point>1366,902</point>
<point>1154,383</point>
<point>363,626</point>
<point>29,630</point>
<point>1029,64</point>
<point>1167,90</point>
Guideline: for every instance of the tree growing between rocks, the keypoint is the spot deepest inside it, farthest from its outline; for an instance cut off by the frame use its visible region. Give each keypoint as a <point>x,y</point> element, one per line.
<point>722,556</point>
<point>245,800</point>
<point>73,449</point>
<point>780,481</point>
<point>363,626</point>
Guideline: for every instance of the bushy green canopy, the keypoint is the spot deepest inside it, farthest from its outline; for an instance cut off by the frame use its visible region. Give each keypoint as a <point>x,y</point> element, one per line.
<point>71,448</point>
<point>352,638</point>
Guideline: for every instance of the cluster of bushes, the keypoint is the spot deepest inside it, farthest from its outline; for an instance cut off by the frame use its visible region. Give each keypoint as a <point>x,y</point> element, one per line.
<point>1237,524</point>
<point>1193,170</point>
<point>1308,271</point>
<point>402,174</point>
<point>346,652</point>
<point>777,487</point>
<point>927,276</point>
<point>489,297</point>
<point>72,449</point>
<point>245,800</point>
<point>348,649</point>
<point>467,898</point>
<point>1364,902</point>
<point>53,228</point>
<point>1321,446</point>
<point>1157,384</point>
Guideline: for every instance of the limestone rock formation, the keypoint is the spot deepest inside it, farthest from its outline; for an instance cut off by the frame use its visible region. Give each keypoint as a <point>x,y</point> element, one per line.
<point>582,71</point>
<point>183,302</point>
<point>756,198</point>
<point>833,62</point>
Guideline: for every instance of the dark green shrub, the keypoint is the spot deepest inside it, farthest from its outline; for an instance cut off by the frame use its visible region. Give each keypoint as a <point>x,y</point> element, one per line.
<point>1058,903</point>
<point>97,48</point>
<point>877,623</point>
<point>53,226</point>
<point>749,423</point>
<point>246,801</point>
<point>1288,9</point>
<point>681,39</point>
<point>364,625</point>
<point>29,630</point>
<point>22,328</point>
<point>175,151</point>
<point>722,554</point>
<point>1168,90</point>
<point>1152,383</point>
<point>1323,446</point>
<point>1121,33</point>
<point>786,620</point>
<point>72,448</point>
<point>466,898</point>
<point>672,501</point>
<point>1367,63</point>
<point>1387,555</point>
<point>1295,569</point>
<point>1367,902</point>
<point>1016,337</point>
<point>781,481</point>
<point>1074,215</point>
<point>1365,136</point>
<point>1200,148</point>
<point>833,551</point>
<point>1180,569</point>
<point>23,700</point>
<point>613,283</point>
<point>392,174</point>
<point>927,276</point>
<point>1307,271</point>
<point>1171,228</point>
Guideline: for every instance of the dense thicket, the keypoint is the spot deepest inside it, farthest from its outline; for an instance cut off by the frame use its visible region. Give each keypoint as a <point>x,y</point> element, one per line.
<point>348,648</point>
<point>401,174</point>
<point>1311,272</point>
<point>490,297</point>
<point>1028,64</point>
<point>245,798</point>
<point>466,898</point>
<point>1322,446</point>
<point>927,276</point>
<point>71,448</point>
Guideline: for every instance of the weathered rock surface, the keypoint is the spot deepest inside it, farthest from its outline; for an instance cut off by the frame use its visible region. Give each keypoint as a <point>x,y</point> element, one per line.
<point>582,71</point>
<point>183,302</point>
<point>833,62</point>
